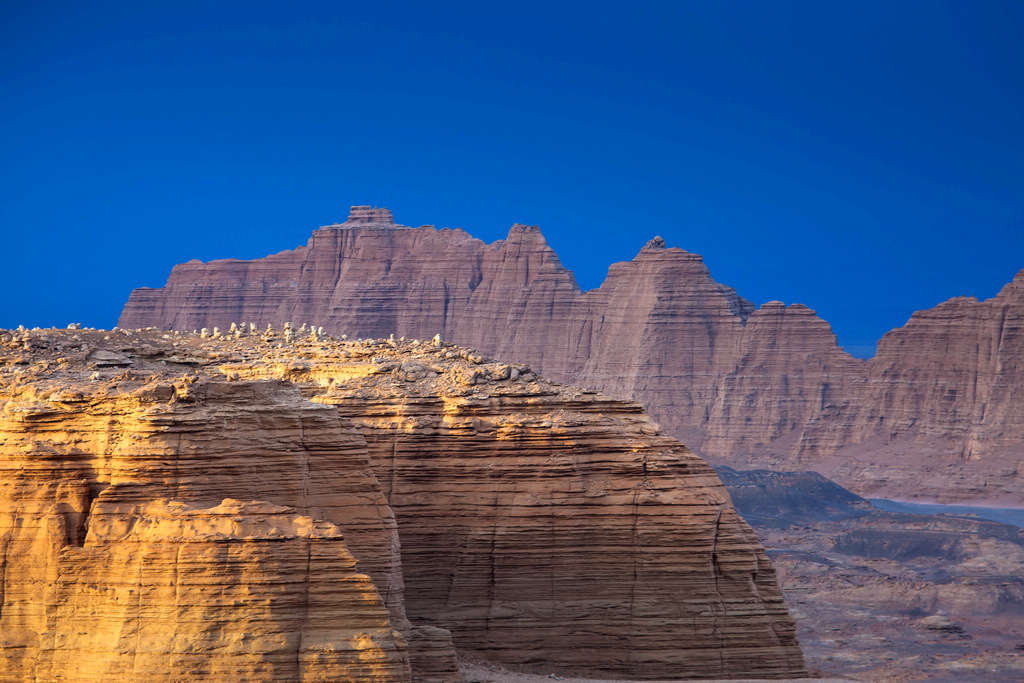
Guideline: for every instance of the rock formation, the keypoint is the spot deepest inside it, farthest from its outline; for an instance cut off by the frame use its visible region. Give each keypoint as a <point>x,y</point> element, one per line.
<point>239,591</point>
<point>936,414</point>
<point>940,409</point>
<point>104,577</point>
<point>180,507</point>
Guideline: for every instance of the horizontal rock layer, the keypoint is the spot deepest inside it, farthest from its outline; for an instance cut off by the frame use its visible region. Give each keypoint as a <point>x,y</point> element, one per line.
<point>176,507</point>
<point>102,578</point>
<point>241,590</point>
<point>936,414</point>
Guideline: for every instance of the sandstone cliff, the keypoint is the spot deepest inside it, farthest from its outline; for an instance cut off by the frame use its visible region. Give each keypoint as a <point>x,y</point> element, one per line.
<point>937,414</point>
<point>276,507</point>
<point>940,410</point>
<point>105,578</point>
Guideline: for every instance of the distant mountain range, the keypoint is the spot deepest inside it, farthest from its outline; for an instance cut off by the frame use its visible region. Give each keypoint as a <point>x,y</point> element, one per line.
<point>937,414</point>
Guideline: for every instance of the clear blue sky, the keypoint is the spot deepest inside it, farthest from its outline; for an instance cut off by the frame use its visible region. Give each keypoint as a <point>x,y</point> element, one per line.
<point>863,158</point>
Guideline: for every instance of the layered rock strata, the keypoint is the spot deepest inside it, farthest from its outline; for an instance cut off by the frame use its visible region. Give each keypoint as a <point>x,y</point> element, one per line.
<point>574,539</point>
<point>940,409</point>
<point>248,591</point>
<point>103,577</point>
<point>936,414</point>
<point>176,507</point>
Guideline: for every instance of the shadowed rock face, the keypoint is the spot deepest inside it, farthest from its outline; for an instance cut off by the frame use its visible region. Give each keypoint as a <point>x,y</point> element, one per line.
<point>940,410</point>
<point>281,508</point>
<point>938,413</point>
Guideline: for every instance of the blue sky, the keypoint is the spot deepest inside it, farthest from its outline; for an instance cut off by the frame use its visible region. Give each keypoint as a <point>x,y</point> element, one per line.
<point>863,158</point>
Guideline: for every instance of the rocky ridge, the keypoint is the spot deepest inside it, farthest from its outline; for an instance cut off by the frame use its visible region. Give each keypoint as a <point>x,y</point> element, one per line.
<point>284,505</point>
<point>937,414</point>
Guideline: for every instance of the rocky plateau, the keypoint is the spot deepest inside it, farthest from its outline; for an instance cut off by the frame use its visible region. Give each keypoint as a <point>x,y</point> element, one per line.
<point>937,414</point>
<point>249,504</point>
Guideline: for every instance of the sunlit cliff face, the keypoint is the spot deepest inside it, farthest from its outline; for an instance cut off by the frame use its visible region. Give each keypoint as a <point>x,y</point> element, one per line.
<point>412,483</point>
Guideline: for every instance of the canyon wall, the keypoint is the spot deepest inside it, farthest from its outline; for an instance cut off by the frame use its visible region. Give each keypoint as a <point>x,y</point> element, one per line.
<point>281,507</point>
<point>941,408</point>
<point>935,415</point>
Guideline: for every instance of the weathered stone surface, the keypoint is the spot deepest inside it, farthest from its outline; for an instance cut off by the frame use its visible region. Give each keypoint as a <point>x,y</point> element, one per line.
<point>937,414</point>
<point>542,525</point>
<point>103,579</point>
<point>547,526</point>
<point>941,410</point>
<point>524,527</point>
<point>237,591</point>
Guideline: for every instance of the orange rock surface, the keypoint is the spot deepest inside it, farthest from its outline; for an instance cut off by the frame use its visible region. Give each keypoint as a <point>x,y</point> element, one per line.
<point>177,507</point>
<point>240,591</point>
<point>103,577</point>
<point>936,414</point>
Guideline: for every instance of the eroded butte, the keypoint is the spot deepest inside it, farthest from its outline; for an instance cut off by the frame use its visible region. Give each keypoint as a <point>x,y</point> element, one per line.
<point>284,505</point>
